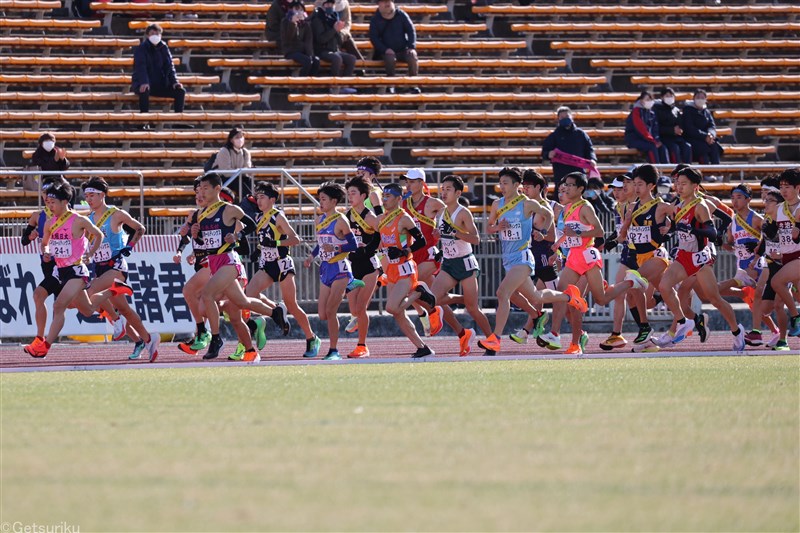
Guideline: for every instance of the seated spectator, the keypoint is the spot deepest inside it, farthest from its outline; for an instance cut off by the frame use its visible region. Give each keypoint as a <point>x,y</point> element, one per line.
<point>342,8</point>
<point>233,155</point>
<point>327,40</point>
<point>153,71</point>
<point>277,12</point>
<point>394,38</point>
<point>565,141</point>
<point>670,131</point>
<point>641,130</point>
<point>297,40</point>
<point>47,157</point>
<point>699,129</point>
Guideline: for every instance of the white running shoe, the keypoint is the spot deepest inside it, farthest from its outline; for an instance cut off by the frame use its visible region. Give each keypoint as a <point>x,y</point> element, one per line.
<point>665,339</point>
<point>520,336</point>
<point>774,340</point>
<point>638,281</point>
<point>152,346</point>
<point>119,328</point>
<point>648,346</point>
<point>352,326</point>
<point>683,330</point>
<point>552,342</point>
<point>738,343</point>
<point>426,324</point>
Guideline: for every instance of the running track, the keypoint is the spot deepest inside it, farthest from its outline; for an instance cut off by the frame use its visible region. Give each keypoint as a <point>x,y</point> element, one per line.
<point>113,356</point>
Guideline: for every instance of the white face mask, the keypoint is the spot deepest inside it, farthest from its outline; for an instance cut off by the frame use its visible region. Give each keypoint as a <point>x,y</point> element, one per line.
<point>700,103</point>
<point>238,142</point>
<point>648,104</point>
<point>669,100</point>
<point>154,39</point>
<point>49,145</point>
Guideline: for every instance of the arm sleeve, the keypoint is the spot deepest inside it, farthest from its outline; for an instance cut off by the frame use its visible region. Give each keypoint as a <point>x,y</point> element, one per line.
<point>372,243</point>
<point>182,244</point>
<point>419,239</point>
<point>26,234</point>
<point>375,35</point>
<point>172,75</point>
<point>351,245</point>
<point>249,225</point>
<point>410,31</point>
<point>707,230</point>
<point>761,248</point>
<point>724,218</point>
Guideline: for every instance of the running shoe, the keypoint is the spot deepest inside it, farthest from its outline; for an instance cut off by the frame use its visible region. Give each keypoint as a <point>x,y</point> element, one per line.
<point>251,356</point>
<point>383,281</point>
<point>753,338</point>
<point>520,336</point>
<point>436,320</point>
<point>425,320</point>
<point>700,321</point>
<point>422,352</point>
<point>583,340</point>
<point>214,347</point>
<point>260,335</point>
<point>152,346</point>
<point>490,343</point>
<point>648,346</point>
<point>38,348</point>
<point>665,339</point>
<point>794,326</point>
<point>749,296</point>
<point>781,346</point>
<point>352,326</point>
<point>645,332</point>
<point>539,325</point>
<point>359,352</point>
<point>201,341</point>
<point>425,294</point>
<point>682,331</point>
<point>774,340</point>
<point>738,342</point>
<point>465,342</point>
<point>638,281</point>
<point>333,355</point>
<point>312,347</point>
<point>613,341</point>
<point>574,349</point>
<point>120,288</point>
<point>138,348</point>
<point>238,355</point>
<point>280,317</point>
<point>551,341</point>
<point>575,299</point>
<point>119,328</point>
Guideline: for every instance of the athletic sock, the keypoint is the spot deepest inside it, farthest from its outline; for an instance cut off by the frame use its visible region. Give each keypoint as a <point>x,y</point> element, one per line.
<point>657,297</point>
<point>201,328</point>
<point>636,317</point>
<point>251,325</point>
<point>682,320</point>
<point>616,333</point>
<point>735,333</point>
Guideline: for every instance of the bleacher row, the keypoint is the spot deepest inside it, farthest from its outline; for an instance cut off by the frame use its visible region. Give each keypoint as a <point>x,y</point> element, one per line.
<point>489,85</point>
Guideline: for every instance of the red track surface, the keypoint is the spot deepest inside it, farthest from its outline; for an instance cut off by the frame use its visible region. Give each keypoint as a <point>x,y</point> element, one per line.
<point>386,348</point>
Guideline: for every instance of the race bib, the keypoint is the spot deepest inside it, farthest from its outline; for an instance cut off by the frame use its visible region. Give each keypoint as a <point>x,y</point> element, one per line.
<point>703,257</point>
<point>512,233</point>
<point>344,265</point>
<point>470,263</point>
<point>742,253</point>
<point>661,253</point>
<point>591,255</point>
<point>785,234</point>
<point>406,269</point>
<point>286,264</point>
<point>103,253</point>
<point>639,234</point>
<point>61,248</point>
<point>375,262</point>
<point>268,255</point>
<point>212,238</point>
<point>449,248</point>
<point>572,242</point>
<point>359,241</point>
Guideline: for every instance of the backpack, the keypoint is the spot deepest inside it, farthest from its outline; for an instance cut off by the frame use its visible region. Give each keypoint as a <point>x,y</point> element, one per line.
<point>209,164</point>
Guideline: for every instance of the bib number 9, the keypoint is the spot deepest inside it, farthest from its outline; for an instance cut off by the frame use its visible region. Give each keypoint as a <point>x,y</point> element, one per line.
<point>591,255</point>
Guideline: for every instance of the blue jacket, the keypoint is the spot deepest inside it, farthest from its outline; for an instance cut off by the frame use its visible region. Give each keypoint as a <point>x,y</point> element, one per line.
<point>573,141</point>
<point>397,33</point>
<point>697,123</point>
<point>153,65</point>
<point>641,124</point>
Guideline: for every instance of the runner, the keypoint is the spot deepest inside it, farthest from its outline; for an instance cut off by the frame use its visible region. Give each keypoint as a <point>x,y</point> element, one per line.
<point>695,258</point>
<point>110,263</point>
<point>512,217</point>
<point>581,227</point>
<point>334,242</point>
<point>788,220</point>
<point>424,209</point>
<point>366,267</point>
<point>397,228</point>
<point>275,265</point>
<point>65,241</point>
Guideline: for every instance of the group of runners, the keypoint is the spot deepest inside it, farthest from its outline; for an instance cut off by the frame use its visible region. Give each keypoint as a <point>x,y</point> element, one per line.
<point>422,248</point>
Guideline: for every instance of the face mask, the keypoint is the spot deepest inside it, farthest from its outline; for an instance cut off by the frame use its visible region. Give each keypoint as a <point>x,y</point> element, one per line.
<point>238,142</point>
<point>329,10</point>
<point>154,39</point>
<point>565,122</point>
<point>49,145</point>
<point>700,103</point>
<point>590,194</point>
<point>669,100</point>
<point>648,104</point>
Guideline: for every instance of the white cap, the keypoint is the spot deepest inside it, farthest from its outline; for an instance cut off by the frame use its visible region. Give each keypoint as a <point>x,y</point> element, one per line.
<point>617,183</point>
<point>415,174</point>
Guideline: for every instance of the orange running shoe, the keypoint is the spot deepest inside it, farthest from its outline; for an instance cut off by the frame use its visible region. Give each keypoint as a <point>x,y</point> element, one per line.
<point>104,314</point>
<point>251,356</point>
<point>465,342</point>
<point>245,314</point>
<point>491,343</point>
<point>38,348</point>
<point>575,299</point>
<point>383,280</point>
<point>435,317</point>
<point>749,296</point>
<point>120,287</point>
<point>359,352</point>
<point>574,349</point>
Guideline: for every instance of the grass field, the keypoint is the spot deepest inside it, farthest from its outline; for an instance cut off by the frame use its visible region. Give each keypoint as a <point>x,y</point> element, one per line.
<point>658,444</point>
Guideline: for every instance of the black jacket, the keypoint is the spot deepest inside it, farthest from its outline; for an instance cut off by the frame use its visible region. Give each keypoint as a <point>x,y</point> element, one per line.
<point>573,141</point>
<point>397,33</point>
<point>153,65</point>
<point>326,38</point>
<point>668,117</point>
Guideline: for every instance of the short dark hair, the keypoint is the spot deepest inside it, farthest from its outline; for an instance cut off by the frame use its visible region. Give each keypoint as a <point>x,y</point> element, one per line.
<point>332,190</point>
<point>212,178</point>
<point>457,181</point>
<point>267,189</point>
<point>394,187</point>
<point>153,27</point>
<point>45,136</point>
<point>744,189</point>
<point>61,191</point>
<point>775,196</point>
<point>359,183</point>
<point>700,91</point>
<point>532,177</point>
<point>95,183</point>
<point>49,181</point>
<point>371,163</point>
<point>692,174</point>
<point>512,172</point>
<point>196,183</point>
<point>678,168</point>
<point>791,176</point>
<point>667,90</point>
<point>579,177</point>
<point>647,173</point>
<point>643,94</point>
<point>771,181</point>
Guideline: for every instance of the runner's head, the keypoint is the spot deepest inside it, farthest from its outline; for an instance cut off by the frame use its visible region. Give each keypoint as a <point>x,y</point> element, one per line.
<point>209,187</point>
<point>770,184</point>
<point>510,179</point>
<point>618,189</point>
<point>266,194</point>
<point>58,197</point>
<point>358,190</point>
<point>645,179</point>
<point>687,182</point>
<point>368,167</point>
<point>790,184</point>
<point>574,185</point>
<point>95,190</point>
<point>48,182</point>
<point>414,181</point>
<point>330,195</point>
<point>533,183</point>
<point>771,201</point>
<point>392,196</point>
<point>740,197</point>
<point>451,188</point>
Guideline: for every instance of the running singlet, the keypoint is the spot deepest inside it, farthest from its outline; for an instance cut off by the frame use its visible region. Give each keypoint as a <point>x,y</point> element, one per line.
<point>66,249</point>
<point>212,228</point>
<point>425,225</point>
<point>643,224</point>
<point>267,227</point>
<point>113,241</point>
<point>786,220</point>
<point>326,234</point>
<point>744,234</point>
<point>517,235</point>
<point>572,220</point>
<point>367,238</point>
<point>452,246</point>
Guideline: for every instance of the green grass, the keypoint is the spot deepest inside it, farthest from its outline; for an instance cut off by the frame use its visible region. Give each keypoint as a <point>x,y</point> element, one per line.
<point>657,444</point>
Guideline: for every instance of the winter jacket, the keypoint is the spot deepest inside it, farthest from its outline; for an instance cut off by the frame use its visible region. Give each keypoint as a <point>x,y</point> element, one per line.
<point>47,160</point>
<point>397,33</point>
<point>326,38</point>
<point>668,117</point>
<point>573,141</point>
<point>296,37</point>
<point>275,16</point>
<point>152,65</point>
<point>697,123</point>
<point>641,124</point>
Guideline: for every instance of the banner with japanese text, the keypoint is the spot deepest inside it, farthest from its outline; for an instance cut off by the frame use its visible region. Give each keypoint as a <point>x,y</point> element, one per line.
<point>156,280</point>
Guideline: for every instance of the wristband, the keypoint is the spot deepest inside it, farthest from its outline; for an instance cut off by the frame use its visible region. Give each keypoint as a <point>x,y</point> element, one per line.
<point>277,243</point>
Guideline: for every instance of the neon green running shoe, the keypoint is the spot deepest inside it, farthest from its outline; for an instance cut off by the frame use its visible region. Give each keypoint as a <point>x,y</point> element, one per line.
<point>540,324</point>
<point>238,355</point>
<point>201,341</point>
<point>260,336</point>
<point>583,341</point>
<point>781,345</point>
<point>312,347</point>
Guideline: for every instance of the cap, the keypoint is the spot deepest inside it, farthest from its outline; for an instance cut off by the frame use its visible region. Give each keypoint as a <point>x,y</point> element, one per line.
<point>664,182</point>
<point>616,184</point>
<point>415,174</point>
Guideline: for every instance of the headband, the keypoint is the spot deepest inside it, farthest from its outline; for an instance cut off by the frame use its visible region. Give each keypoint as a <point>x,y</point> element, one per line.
<point>93,190</point>
<point>393,191</point>
<point>225,196</point>
<point>741,191</point>
<point>770,188</point>
<point>47,186</point>
<point>367,169</point>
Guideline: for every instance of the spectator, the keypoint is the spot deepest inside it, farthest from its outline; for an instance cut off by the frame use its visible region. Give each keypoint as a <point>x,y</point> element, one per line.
<point>565,141</point>
<point>342,8</point>
<point>394,38</point>
<point>641,130</point>
<point>153,71</point>
<point>277,12</point>
<point>669,127</point>
<point>328,39</point>
<point>699,129</point>
<point>297,40</point>
<point>48,156</point>
<point>595,195</point>
<point>233,155</point>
